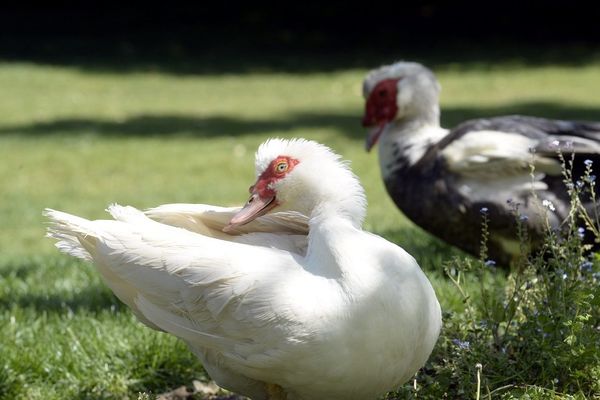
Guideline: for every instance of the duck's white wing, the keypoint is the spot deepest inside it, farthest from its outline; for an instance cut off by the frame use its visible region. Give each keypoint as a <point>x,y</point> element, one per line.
<point>493,155</point>
<point>228,297</point>
<point>492,166</point>
<point>210,220</point>
<point>505,147</point>
<point>283,230</point>
<point>491,159</point>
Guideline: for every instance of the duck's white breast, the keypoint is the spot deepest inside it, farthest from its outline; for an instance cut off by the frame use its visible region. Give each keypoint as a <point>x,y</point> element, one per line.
<point>371,335</point>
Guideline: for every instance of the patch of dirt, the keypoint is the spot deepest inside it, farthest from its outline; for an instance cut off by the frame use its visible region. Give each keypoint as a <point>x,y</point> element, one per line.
<point>200,391</point>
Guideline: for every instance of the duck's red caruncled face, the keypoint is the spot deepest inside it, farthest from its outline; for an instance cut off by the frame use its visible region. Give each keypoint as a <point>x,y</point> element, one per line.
<point>263,196</point>
<point>277,169</point>
<point>380,108</point>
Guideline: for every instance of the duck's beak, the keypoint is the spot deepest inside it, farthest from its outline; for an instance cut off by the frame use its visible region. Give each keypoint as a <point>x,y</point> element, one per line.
<point>373,135</point>
<point>375,125</point>
<point>254,208</point>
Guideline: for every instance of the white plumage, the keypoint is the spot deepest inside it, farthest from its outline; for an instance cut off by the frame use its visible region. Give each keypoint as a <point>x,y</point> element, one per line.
<point>282,305</point>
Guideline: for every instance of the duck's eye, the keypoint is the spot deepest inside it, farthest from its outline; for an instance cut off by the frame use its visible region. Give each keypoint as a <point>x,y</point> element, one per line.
<point>281,166</point>
<point>383,93</point>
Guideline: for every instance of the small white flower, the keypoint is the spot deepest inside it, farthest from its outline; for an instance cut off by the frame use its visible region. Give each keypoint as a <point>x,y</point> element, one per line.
<point>548,204</point>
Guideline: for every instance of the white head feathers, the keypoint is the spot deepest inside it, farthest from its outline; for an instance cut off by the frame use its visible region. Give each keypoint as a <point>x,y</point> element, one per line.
<point>398,70</point>
<point>418,90</point>
<point>298,148</point>
<point>321,179</point>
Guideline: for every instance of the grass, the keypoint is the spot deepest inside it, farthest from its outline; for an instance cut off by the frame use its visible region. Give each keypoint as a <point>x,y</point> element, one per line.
<point>78,140</point>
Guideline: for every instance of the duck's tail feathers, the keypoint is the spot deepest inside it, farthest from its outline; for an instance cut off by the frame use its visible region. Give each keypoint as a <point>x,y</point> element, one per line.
<point>74,235</point>
<point>127,214</point>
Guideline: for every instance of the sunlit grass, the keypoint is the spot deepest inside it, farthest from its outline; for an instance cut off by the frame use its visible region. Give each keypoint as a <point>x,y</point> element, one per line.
<point>77,141</point>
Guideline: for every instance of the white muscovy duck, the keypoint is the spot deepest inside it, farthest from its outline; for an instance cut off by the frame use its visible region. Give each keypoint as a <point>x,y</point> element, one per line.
<point>441,179</point>
<point>276,305</point>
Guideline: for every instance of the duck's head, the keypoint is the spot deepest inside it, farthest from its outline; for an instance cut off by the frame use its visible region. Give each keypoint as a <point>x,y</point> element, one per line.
<point>303,176</point>
<point>401,91</point>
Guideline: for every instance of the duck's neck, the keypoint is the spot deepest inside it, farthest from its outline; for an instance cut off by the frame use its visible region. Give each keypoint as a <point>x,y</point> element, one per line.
<point>339,194</point>
<point>336,208</point>
<point>330,241</point>
<point>404,141</point>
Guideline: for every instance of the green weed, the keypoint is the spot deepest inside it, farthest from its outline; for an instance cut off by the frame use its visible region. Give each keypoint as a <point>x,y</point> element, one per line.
<point>538,335</point>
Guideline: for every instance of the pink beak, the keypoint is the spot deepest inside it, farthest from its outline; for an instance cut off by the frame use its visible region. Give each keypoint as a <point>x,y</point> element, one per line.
<point>373,136</point>
<point>255,207</point>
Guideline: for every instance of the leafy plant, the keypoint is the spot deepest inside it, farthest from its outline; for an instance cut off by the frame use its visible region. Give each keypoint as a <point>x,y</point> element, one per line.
<point>538,336</point>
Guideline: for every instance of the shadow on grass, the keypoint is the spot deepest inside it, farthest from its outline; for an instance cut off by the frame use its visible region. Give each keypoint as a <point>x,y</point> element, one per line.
<point>92,299</point>
<point>452,116</point>
<point>180,58</point>
<point>165,125</point>
<point>55,285</point>
<point>19,270</point>
<point>347,124</point>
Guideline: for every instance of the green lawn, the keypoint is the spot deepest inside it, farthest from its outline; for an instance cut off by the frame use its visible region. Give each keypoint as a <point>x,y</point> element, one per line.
<point>77,140</point>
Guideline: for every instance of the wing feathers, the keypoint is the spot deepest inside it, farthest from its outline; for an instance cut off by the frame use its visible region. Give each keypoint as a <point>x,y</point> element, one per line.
<point>207,291</point>
<point>179,325</point>
<point>202,218</point>
<point>285,230</point>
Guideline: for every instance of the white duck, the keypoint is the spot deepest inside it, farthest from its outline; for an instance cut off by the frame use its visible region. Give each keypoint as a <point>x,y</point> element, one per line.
<point>280,306</point>
<point>441,179</point>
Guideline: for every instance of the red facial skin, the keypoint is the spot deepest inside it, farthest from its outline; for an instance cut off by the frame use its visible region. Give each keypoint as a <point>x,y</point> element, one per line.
<point>380,109</point>
<point>271,175</point>
<point>263,197</point>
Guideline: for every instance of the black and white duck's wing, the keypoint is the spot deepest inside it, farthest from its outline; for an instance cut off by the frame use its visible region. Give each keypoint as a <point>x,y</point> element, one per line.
<point>506,147</point>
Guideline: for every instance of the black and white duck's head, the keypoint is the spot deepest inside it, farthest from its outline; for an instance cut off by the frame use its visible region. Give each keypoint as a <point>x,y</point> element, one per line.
<point>402,91</point>
<point>303,176</point>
